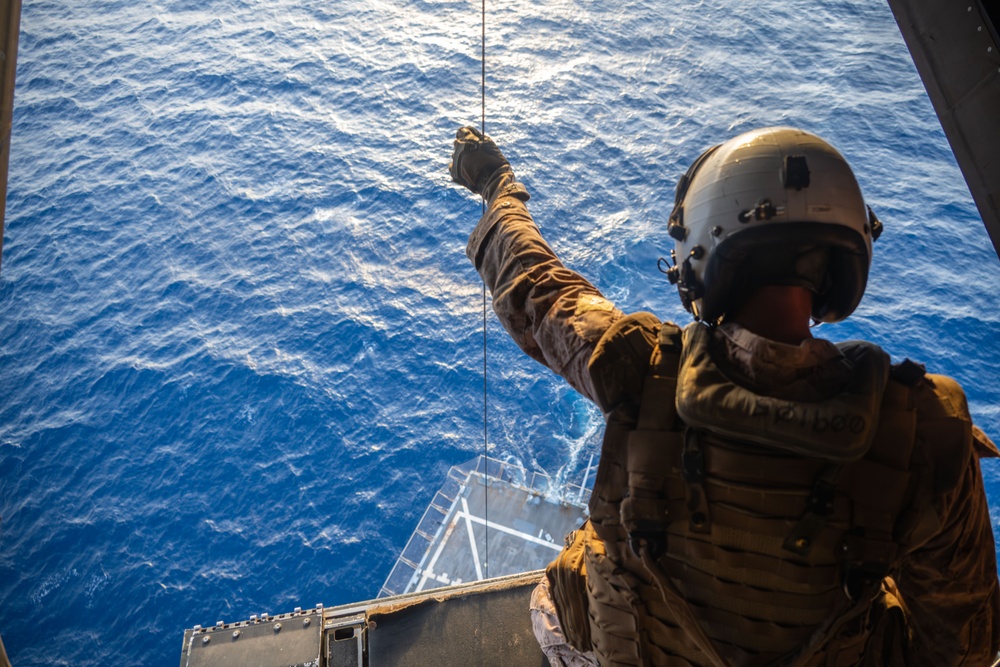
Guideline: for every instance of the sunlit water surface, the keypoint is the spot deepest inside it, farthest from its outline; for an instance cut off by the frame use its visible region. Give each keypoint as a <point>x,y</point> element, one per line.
<point>241,343</point>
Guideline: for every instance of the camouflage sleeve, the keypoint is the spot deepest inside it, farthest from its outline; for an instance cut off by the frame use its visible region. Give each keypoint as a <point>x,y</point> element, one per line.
<point>551,312</point>
<point>949,582</point>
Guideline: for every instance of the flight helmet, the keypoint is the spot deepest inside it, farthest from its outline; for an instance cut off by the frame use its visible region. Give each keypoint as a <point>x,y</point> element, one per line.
<point>775,206</point>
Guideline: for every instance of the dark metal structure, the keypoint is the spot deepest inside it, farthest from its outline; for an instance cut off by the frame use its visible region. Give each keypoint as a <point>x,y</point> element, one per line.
<point>484,623</point>
<point>10,28</point>
<point>954,44</point>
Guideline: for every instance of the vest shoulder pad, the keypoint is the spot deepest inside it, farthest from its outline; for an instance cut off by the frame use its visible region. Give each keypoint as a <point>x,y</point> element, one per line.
<point>939,398</point>
<point>839,429</point>
<point>619,363</point>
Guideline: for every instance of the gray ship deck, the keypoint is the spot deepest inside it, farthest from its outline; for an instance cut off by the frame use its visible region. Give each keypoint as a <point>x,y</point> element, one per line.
<point>491,519</point>
<point>479,547</point>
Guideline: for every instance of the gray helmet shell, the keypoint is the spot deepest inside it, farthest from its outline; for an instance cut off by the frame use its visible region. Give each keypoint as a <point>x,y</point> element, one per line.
<point>776,205</point>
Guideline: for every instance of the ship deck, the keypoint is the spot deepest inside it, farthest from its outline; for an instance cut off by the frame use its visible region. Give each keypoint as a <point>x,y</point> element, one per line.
<point>458,594</point>
<point>481,623</point>
<point>491,519</point>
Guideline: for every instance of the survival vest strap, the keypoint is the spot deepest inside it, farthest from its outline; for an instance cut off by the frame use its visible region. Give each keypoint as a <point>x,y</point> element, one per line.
<point>819,504</point>
<point>644,507</point>
<point>618,368</point>
<point>879,486</point>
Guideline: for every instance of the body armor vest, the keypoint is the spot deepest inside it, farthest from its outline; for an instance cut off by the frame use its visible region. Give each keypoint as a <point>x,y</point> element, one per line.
<point>733,528</point>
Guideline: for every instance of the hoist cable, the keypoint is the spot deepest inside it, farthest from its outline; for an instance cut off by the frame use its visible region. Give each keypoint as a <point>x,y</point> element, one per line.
<point>486,453</point>
<point>482,87</point>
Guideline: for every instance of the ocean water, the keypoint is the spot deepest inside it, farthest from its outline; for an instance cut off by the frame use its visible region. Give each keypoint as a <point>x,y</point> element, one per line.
<point>241,343</point>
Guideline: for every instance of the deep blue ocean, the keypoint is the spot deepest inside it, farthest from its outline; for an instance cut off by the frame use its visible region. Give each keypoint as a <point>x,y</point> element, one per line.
<point>240,342</point>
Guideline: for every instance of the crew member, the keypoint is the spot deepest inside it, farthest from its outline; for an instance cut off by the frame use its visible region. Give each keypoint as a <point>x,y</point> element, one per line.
<point>764,497</point>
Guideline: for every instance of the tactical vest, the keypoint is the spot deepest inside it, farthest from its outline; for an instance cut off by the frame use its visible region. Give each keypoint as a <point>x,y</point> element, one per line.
<point>732,528</point>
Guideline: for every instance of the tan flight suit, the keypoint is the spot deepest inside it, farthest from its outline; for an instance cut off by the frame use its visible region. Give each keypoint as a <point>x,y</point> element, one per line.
<point>943,579</point>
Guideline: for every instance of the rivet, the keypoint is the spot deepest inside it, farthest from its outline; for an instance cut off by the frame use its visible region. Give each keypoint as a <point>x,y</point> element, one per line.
<point>716,231</point>
<point>236,634</point>
<point>969,9</point>
<point>979,29</point>
<point>206,639</point>
<point>277,627</point>
<point>506,204</point>
<point>698,519</point>
<point>305,622</point>
<point>801,543</point>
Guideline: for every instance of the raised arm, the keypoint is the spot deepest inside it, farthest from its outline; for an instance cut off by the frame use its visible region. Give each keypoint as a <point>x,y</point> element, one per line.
<point>554,314</point>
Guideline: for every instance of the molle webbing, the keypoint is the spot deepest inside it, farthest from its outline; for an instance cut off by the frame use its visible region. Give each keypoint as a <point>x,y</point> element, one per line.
<point>819,506</point>
<point>610,482</point>
<point>657,474</point>
<point>758,570</point>
<point>613,606</point>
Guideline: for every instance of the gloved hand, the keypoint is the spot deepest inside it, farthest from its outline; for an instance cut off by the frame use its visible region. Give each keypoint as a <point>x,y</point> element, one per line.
<point>475,159</point>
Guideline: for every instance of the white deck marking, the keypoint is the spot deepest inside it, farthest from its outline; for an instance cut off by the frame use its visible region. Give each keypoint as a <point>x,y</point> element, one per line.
<point>510,531</point>
<point>472,538</point>
<point>470,518</point>
<point>429,570</point>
